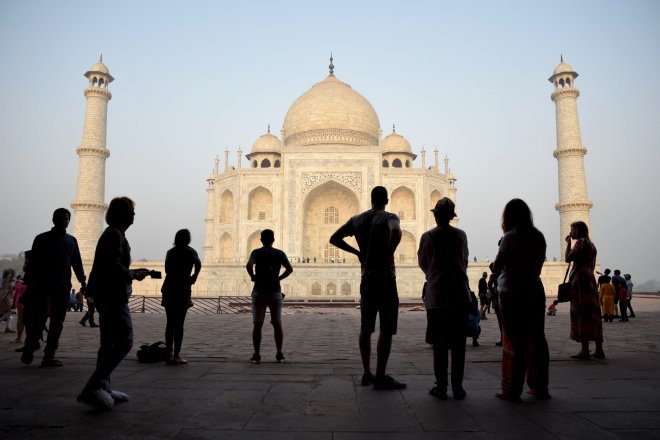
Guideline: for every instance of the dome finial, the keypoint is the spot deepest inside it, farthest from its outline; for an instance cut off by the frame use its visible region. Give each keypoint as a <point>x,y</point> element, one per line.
<point>268,128</point>
<point>393,128</point>
<point>331,66</point>
<point>101,58</point>
<point>561,58</point>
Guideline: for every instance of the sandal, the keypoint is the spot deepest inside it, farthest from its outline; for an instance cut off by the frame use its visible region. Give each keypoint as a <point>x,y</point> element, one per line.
<point>585,356</point>
<point>508,396</point>
<point>367,379</point>
<point>438,392</point>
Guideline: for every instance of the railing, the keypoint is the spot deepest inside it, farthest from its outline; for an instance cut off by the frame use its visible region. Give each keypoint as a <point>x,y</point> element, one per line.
<point>201,306</point>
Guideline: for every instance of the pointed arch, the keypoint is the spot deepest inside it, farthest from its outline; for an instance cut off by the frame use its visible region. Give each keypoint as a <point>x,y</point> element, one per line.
<point>435,196</point>
<point>316,288</point>
<point>316,232</point>
<point>396,163</point>
<point>253,242</point>
<point>227,207</point>
<point>402,203</point>
<point>407,250</point>
<point>345,289</point>
<point>225,248</point>
<point>260,204</point>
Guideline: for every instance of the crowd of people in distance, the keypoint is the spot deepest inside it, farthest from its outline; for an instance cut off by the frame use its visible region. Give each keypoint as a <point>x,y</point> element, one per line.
<point>513,291</point>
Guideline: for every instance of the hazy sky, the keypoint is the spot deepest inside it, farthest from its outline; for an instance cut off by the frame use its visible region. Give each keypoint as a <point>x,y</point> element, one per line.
<point>469,78</point>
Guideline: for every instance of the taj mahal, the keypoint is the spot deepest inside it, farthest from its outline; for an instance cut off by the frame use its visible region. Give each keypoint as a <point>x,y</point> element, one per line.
<point>303,184</point>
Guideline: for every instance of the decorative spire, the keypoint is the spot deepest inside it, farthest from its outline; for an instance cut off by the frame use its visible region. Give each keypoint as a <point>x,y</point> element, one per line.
<point>393,128</point>
<point>268,128</point>
<point>561,58</point>
<point>101,58</point>
<point>331,66</point>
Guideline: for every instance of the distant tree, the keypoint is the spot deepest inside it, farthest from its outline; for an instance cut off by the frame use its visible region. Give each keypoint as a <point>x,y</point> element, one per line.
<point>13,261</point>
<point>648,286</point>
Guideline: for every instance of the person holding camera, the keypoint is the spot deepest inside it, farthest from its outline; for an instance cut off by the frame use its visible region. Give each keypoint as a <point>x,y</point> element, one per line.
<point>110,286</point>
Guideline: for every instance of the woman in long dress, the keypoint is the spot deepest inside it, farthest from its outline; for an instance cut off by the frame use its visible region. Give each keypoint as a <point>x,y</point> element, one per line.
<point>586,318</point>
<point>522,305</point>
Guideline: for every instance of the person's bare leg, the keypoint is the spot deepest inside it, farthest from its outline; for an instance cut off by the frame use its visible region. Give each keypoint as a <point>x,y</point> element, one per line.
<point>383,353</point>
<point>279,335</point>
<point>365,352</point>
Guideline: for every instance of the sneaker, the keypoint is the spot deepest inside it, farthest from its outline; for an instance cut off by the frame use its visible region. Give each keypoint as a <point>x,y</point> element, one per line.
<point>82,323</point>
<point>51,362</point>
<point>387,383</point>
<point>599,354</point>
<point>279,357</point>
<point>499,344</point>
<point>119,397</point>
<point>93,325</point>
<point>367,379</point>
<point>9,331</point>
<point>256,358</point>
<point>438,392</point>
<point>97,398</point>
<point>475,343</point>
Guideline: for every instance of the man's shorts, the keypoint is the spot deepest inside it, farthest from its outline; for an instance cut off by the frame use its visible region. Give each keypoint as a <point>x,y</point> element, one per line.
<point>270,300</point>
<point>378,296</point>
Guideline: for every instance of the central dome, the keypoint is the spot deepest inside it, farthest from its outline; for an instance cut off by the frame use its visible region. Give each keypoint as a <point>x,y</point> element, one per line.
<point>331,112</point>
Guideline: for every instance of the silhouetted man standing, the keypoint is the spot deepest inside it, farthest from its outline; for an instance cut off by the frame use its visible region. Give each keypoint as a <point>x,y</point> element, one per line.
<point>54,254</point>
<point>378,233</point>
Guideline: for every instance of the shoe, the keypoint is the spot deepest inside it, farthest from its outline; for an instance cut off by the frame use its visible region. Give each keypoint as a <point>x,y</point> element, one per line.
<point>27,356</point>
<point>582,355</point>
<point>475,343</point>
<point>367,379</point>
<point>539,395</point>
<point>438,392</point>
<point>178,360</point>
<point>632,316</point>
<point>119,397</point>
<point>93,325</point>
<point>508,396</point>
<point>279,357</point>
<point>599,354</point>
<point>97,398</point>
<point>499,344</point>
<point>387,383</point>
<point>256,358</point>
<point>459,393</point>
<point>9,331</point>
<point>484,317</point>
<point>82,323</point>
<point>51,363</point>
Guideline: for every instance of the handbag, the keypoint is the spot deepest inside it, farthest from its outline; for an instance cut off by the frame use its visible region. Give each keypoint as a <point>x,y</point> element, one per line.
<point>565,290</point>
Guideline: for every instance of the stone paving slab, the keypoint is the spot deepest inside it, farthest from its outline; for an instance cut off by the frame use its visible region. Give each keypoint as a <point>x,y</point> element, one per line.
<point>316,393</point>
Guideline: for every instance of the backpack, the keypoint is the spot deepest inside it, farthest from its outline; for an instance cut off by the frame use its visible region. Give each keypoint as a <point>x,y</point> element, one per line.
<point>156,352</point>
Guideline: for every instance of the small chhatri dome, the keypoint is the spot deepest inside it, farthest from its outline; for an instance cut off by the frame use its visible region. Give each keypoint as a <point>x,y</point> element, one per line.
<point>100,67</point>
<point>267,143</point>
<point>395,143</point>
<point>331,112</point>
<point>562,67</point>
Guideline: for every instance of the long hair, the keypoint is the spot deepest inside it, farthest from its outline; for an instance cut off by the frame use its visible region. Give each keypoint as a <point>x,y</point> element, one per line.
<point>182,237</point>
<point>581,229</point>
<point>517,215</point>
<point>119,211</point>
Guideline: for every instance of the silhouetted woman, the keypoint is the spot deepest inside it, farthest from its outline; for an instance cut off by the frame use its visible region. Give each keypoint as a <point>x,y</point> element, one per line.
<point>522,304</point>
<point>176,290</point>
<point>586,318</point>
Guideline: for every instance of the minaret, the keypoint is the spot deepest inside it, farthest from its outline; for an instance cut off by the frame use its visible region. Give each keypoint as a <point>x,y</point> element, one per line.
<point>89,205</point>
<point>573,203</point>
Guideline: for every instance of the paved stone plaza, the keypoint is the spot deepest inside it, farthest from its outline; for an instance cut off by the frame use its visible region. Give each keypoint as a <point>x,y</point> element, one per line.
<point>316,393</point>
